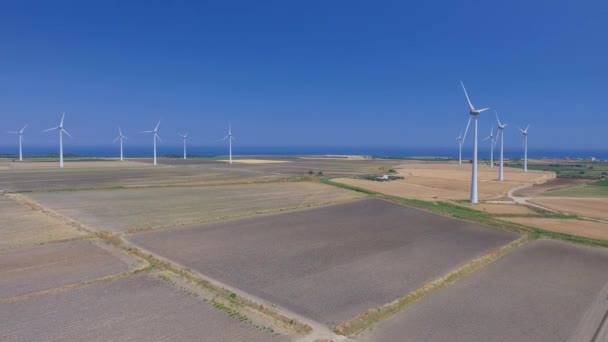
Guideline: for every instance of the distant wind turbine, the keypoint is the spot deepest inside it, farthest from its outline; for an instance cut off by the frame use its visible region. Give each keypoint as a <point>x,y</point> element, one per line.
<point>61,131</point>
<point>230,139</point>
<point>459,139</point>
<point>474,113</point>
<point>525,133</point>
<point>20,136</point>
<point>501,132</point>
<point>184,136</point>
<point>154,137</point>
<point>120,137</point>
<point>491,138</point>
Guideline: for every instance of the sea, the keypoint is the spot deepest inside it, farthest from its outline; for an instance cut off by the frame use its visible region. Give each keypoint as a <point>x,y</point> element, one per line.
<point>377,151</point>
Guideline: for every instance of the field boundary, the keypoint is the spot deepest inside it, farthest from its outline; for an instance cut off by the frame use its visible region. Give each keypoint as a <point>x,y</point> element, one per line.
<point>367,319</point>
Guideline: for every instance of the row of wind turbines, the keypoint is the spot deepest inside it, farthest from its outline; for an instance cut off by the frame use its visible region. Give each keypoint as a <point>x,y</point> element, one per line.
<point>121,137</point>
<point>473,115</point>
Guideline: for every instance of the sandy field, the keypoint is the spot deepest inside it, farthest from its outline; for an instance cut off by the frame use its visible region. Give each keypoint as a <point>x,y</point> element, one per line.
<point>590,229</point>
<point>21,225</point>
<point>31,269</point>
<point>136,308</point>
<point>587,207</point>
<point>329,263</point>
<point>152,208</point>
<point>539,292</point>
<point>449,181</point>
<point>254,161</point>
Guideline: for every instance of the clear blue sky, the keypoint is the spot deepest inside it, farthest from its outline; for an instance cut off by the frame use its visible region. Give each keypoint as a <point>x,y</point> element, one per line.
<point>305,72</point>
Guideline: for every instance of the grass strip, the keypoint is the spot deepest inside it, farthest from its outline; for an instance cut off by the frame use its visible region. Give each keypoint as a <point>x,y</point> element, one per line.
<point>372,316</point>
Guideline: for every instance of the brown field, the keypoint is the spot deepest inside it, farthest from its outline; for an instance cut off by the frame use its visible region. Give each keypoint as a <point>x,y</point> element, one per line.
<point>590,229</point>
<point>587,207</point>
<point>557,183</point>
<point>537,293</point>
<point>21,225</point>
<point>501,209</point>
<point>142,209</point>
<point>449,181</point>
<point>329,263</point>
<point>43,165</point>
<point>38,268</point>
<point>135,308</point>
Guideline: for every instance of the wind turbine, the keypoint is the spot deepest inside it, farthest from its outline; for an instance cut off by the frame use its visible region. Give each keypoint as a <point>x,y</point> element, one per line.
<point>120,137</point>
<point>20,133</point>
<point>460,140</point>
<point>474,113</point>
<point>501,132</point>
<point>525,133</point>
<point>184,136</point>
<point>491,138</point>
<point>154,137</point>
<point>230,139</point>
<point>61,131</point>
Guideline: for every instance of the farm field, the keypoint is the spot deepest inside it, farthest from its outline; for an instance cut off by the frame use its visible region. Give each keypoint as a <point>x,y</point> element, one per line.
<point>38,268</point>
<point>501,209</point>
<point>448,181</point>
<point>590,229</point>
<point>327,263</point>
<point>539,292</point>
<point>552,184</point>
<point>596,189</point>
<point>136,308</point>
<point>588,207</point>
<point>22,226</point>
<point>143,209</point>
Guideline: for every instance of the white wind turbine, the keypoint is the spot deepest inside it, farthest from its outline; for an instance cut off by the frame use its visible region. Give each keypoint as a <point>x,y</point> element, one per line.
<point>20,135</point>
<point>61,131</point>
<point>230,139</point>
<point>120,137</point>
<point>184,136</point>
<point>491,138</point>
<point>525,133</point>
<point>501,132</point>
<point>154,137</point>
<point>474,113</point>
<point>460,140</point>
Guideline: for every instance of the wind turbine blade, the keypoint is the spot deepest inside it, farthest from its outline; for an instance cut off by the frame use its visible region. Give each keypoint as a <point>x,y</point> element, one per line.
<point>486,138</point>
<point>527,127</point>
<point>119,131</point>
<point>497,119</point>
<point>224,138</point>
<point>116,139</point>
<point>521,130</point>
<point>23,129</point>
<point>158,124</point>
<point>158,136</point>
<point>482,110</point>
<point>50,129</point>
<point>467,96</point>
<point>66,132</point>
<point>466,130</point>
<point>147,132</point>
<point>62,117</point>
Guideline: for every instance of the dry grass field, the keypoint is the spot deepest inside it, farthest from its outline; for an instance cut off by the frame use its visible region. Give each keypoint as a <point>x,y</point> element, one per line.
<point>38,268</point>
<point>590,229</point>
<point>587,207</point>
<point>136,308</point>
<point>449,181</point>
<point>22,226</point>
<point>501,209</point>
<point>328,263</point>
<point>152,208</point>
<point>539,292</point>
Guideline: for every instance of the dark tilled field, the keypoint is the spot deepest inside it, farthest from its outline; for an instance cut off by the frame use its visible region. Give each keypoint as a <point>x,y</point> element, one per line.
<point>137,308</point>
<point>330,263</point>
<point>536,293</point>
<point>31,269</point>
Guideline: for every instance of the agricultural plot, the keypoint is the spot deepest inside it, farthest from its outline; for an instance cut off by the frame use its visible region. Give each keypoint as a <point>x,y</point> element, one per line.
<point>596,189</point>
<point>143,209</point>
<point>588,207</point>
<point>328,263</point>
<point>540,292</point>
<point>38,268</point>
<point>22,226</point>
<point>590,229</point>
<point>136,308</point>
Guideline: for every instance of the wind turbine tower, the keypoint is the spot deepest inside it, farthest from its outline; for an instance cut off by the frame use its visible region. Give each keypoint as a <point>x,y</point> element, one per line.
<point>525,133</point>
<point>501,132</point>
<point>230,139</point>
<point>61,131</point>
<point>154,137</point>
<point>491,138</point>
<point>459,139</point>
<point>20,136</point>
<point>184,136</point>
<point>120,137</point>
<point>474,114</point>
